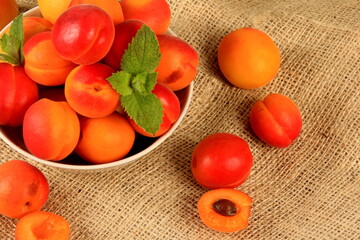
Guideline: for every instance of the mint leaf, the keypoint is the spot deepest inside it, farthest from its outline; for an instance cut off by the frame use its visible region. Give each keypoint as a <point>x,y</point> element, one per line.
<point>143,53</point>
<point>144,82</point>
<point>12,44</point>
<point>137,80</point>
<point>121,82</point>
<point>145,109</point>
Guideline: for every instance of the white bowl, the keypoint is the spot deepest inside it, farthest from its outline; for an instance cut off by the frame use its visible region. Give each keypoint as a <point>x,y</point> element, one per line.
<point>143,145</point>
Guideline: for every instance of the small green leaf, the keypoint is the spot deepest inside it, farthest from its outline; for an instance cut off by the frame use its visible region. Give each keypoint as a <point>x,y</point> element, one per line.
<point>12,44</point>
<point>145,109</point>
<point>143,53</point>
<point>121,82</point>
<point>144,82</point>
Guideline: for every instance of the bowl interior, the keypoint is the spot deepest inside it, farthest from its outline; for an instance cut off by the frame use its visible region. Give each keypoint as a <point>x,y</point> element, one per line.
<point>143,145</point>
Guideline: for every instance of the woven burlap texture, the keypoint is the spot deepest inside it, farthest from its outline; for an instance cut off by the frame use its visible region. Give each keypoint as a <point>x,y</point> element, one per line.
<point>309,190</point>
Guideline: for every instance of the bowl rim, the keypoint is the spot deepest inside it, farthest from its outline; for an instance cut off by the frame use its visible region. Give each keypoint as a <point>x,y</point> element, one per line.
<point>33,12</point>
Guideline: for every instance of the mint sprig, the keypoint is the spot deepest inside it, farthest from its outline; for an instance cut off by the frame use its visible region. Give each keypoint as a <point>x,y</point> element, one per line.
<point>12,44</point>
<point>137,79</point>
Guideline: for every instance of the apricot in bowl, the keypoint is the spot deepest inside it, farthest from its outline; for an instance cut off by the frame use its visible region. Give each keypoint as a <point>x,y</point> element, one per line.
<point>143,145</point>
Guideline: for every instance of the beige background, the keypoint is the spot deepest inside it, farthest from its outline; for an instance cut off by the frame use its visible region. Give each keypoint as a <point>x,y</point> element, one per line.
<point>309,190</point>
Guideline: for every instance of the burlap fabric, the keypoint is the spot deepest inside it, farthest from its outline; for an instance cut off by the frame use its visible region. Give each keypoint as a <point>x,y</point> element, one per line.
<point>309,190</point>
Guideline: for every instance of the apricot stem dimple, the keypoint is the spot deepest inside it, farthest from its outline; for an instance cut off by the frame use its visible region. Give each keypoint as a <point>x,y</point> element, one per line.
<point>225,207</point>
<point>97,88</point>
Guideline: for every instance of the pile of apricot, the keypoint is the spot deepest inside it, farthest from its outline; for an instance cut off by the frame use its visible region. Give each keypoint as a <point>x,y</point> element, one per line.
<point>60,94</point>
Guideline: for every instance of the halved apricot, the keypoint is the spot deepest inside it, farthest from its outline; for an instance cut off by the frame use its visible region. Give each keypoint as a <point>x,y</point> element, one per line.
<point>225,209</point>
<point>42,225</point>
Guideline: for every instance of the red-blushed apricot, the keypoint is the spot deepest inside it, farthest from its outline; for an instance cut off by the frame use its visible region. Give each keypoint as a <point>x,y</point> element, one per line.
<point>276,120</point>
<point>225,209</point>
<point>83,34</point>
<point>154,13</point>
<point>42,62</point>
<point>221,160</point>
<point>23,188</point>
<point>8,11</point>
<point>18,92</point>
<point>52,9</point>
<point>248,58</point>
<point>106,139</point>
<point>111,7</point>
<point>51,129</point>
<point>178,64</point>
<point>124,33</point>
<point>171,110</point>
<point>89,93</point>
<point>42,225</point>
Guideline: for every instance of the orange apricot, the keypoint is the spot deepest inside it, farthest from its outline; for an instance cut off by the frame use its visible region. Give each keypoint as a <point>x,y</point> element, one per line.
<point>23,188</point>
<point>42,62</point>
<point>52,9</point>
<point>105,139</point>
<point>51,129</point>
<point>225,209</point>
<point>42,225</point>
<point>111,7</point>
<point>154,13</point>
<point>248,58</point>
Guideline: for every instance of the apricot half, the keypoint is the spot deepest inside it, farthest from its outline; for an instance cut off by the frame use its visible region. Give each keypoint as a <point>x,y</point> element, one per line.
<point>225,209</point>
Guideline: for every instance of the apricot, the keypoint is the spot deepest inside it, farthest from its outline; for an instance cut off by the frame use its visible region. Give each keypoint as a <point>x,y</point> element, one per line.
<point>225,209</point>
<point>8,11</point>
<point>51,129</point>
<point>178,64</point>
<point>42,225</point>
<point>248,58</point>
<point>83,34</point>
<point>124,33</point>
<point>18,92</point>
<point>154,13</point>
<point>42,62</point>
<point>23,188</point>
<point>276,120</point>
<point>89,93</point>
<point>52,9</point>
<point>111,7</point>
<point>106,139</point>
<point>171,110</point>
<point>32,26</point>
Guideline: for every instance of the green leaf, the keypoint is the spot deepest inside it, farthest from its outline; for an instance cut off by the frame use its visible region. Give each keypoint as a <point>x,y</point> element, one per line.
<point>121,82</point>
<point>144,82</point>
<point>143,53</point>
<point>145,109</point>
<point>12,44</point>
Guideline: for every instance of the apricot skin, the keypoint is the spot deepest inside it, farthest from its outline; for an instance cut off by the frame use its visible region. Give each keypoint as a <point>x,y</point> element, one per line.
<point>276,120</point>
<point>106,139</point>
<point>178,64</point>
<point>51,129</point>
<point>23,188</point>
<point>154,13</point>
<point>89,93</point>
<point>8,11</point>
<point>42,62</point>
<point>83,34</point>
<point>248,58</point>
<point>18,92</point>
